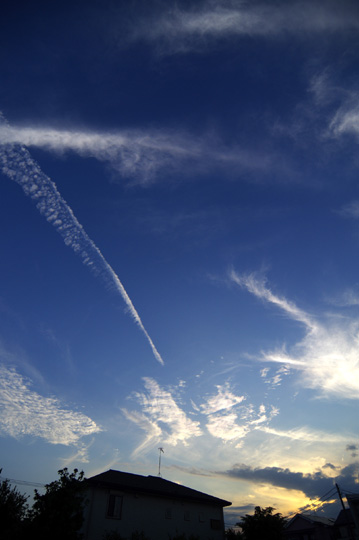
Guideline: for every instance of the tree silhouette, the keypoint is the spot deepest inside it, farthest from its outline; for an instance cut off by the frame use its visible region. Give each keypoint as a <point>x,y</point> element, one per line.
<point>263,524</point>
<point>58,513</point>
<point>13,510</point>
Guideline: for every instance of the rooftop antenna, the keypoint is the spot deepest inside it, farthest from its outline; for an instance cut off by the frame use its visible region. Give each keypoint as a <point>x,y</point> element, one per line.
<point>159,462</point>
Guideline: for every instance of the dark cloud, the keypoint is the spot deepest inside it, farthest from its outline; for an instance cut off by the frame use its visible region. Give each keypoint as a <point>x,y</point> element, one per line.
<point>352,447</point>
<point>312,485</point>
<point>330,466</point>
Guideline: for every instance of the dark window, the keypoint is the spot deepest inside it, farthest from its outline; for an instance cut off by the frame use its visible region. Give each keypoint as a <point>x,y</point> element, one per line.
<point>168,513</point>
<point>216,524</point>
<point>114,509</point>
<point>187,516</point>
<point>201,517</point>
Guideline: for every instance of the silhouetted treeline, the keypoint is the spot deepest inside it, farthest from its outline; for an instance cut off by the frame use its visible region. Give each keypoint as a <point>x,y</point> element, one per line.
<point>57,514</point>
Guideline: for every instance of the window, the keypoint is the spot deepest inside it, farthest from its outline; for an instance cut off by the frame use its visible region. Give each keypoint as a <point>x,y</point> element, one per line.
<point>187,516</point>
<point>216,524</point>
<point>201,517</point>
<point>114,509</point>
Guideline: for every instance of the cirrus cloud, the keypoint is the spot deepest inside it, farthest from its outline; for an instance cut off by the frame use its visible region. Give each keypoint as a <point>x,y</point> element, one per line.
<point>327,356</point>
<point>25,412</point>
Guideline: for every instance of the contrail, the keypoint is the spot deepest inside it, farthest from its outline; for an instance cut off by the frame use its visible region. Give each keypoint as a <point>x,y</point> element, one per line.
<point>17,163</point>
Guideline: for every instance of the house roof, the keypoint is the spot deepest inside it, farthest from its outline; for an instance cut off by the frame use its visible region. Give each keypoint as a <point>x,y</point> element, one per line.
<point>153,485</point>
<point>311,519</point>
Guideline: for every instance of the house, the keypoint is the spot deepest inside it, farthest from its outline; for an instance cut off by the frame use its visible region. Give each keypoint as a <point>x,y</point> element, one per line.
<point>353,500</point>
<point>125,503</point>
<point>344,526</point>
<point>305,527</point>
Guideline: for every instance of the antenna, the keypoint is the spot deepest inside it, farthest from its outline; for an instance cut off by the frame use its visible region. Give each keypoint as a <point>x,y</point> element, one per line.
<point>159,462</point>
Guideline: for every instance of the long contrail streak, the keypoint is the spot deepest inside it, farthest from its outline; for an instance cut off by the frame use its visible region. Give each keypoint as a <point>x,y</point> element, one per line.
<point>17,163</point>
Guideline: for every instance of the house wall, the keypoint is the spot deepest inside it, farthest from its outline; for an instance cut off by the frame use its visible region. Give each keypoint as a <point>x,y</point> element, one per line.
<point>159,518</point>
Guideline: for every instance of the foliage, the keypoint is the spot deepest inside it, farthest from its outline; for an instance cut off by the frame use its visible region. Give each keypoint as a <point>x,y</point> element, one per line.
<point>138,536</point>
<point>184,537</point>
<point>231,534</point>
<point>262,524</point>
<point>114,535</point>
<point>58,514</point>
<point>13,510</point>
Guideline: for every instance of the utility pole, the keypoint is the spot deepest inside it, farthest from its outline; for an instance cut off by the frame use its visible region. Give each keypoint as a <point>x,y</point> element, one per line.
<point>159,462</point>
<point>345,513</point>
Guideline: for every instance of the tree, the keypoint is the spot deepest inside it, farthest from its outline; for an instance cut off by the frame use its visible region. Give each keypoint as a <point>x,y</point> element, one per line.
<point>231,534</point>
<point>58,513</point>
<point>13,508</point>
<point>262,525</point>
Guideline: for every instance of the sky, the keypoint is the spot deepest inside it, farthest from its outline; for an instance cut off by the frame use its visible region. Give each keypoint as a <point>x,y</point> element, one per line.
<point>179,239</point>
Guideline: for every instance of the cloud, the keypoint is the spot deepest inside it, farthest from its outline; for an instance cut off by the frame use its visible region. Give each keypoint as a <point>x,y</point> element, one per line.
<point>224,399</point>
<point>346,119</point>
<point>305,434</point>
<point>256,285</point>
<point>25,412</point>
<point>349,297</point>
<point>18,165</point>
<point>351,447</point>
<point>144,155</point>
<point>312,485</point>
<point>225,427</point>
<point>350,210</point>
<point>161,418</point>
<point>230,421</point>
<point>341,106</point>
<point>328,355</point>
<point>277,378</point>
<point>197,28</point>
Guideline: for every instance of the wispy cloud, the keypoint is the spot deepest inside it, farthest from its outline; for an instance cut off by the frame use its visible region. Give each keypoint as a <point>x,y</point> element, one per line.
<point>346,119</point>
<point>342,103</point>
<point>227,427</point>
<point>305,434</point>
<point>161,418</point>
<point>18,165</point>
<point>184,30</point>
<point>327,356</point>
<point>144,155</point>
<point>228,419</point>
<point>256,285</point>
<point>223,400</point>
<point>347,298</point>
<point>350,210</point>
<point>25,412</point>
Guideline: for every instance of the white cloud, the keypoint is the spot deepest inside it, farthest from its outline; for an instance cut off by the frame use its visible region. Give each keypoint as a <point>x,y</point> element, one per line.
<point>224,399</point>
<point>161,418</point>
<point>18,165</point>
<point>256,285</point>
<point>164,422</point>
<point>149,426</point>
<point>305,434</point>
<point>226,427</point>
<point>328,355</point>
<point>228,419</point>
<point>346,119</point>
<point>143,155</point>
<point>180,30</point>
<point>25,412</point>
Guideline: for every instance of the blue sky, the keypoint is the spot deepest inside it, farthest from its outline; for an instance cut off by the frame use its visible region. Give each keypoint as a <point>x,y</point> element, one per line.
<point>180,244</point>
